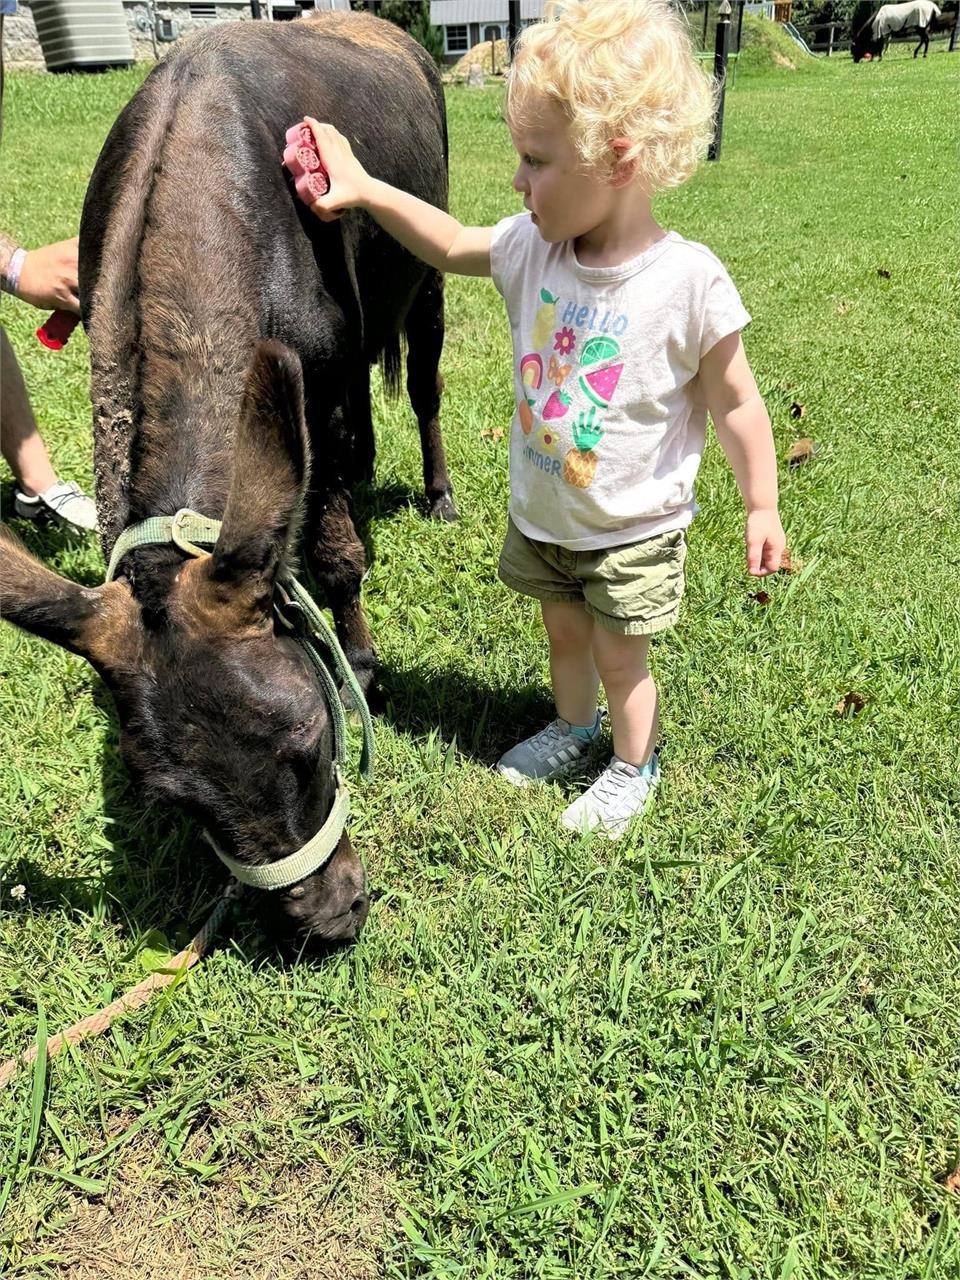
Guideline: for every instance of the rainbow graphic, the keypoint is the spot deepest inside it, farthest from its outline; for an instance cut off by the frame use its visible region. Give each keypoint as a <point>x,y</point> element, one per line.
<point>531,371</point>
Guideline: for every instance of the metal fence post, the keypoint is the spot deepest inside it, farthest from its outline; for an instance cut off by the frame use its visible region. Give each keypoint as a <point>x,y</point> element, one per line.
<point>513,27</point>
<point>720,75</point>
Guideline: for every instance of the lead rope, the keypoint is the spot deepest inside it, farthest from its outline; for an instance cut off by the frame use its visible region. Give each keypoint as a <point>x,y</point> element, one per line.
<point>319,626</point>
<point>138,995</point>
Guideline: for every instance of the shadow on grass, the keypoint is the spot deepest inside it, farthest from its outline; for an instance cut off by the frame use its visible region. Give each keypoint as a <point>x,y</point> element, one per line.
<point>485,719</point>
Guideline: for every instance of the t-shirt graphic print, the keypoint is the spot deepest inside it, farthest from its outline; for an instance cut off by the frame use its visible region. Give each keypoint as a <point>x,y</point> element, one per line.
<point>607,437</point>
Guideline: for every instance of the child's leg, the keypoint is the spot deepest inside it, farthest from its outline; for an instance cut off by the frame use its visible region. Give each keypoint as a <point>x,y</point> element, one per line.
<point>564,745</point>
<point>572,670</point>
<point>631,693</point>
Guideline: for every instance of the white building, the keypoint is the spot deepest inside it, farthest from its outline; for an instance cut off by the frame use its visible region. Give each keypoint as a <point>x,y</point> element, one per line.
<point>468,22</point>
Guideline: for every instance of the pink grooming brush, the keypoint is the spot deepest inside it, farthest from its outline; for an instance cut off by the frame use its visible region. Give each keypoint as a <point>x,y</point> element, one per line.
<point>300,136</point>
<point>303,163</point>
<point>56,330</point>
<point>301,160</point>
<point>311,186</point>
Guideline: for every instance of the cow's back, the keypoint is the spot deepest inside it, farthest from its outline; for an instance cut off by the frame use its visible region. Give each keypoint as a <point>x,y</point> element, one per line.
<point>193,244</point>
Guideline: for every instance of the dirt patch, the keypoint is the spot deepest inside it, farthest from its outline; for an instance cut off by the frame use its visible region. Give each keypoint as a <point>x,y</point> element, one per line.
<point>264,1214</point>
<point>292,1227</point>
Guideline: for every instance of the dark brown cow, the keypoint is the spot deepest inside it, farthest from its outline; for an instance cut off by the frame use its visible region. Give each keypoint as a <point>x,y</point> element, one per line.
<point>231,337</point>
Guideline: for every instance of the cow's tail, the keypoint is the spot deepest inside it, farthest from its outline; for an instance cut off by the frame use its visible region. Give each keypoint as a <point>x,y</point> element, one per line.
<point>391,366</point>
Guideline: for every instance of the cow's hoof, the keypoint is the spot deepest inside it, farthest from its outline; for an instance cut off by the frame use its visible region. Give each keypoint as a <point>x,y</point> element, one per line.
<point>444,508</point>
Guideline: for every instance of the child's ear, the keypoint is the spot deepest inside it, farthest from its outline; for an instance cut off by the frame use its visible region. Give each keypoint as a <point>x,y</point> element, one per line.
<point>622,171</point>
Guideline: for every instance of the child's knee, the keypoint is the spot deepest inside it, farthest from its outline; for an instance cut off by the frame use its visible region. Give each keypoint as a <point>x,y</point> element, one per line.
<point>620,657</point>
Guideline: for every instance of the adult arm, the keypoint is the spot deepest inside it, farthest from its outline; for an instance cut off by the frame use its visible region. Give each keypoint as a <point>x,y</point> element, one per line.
<point>44,277</point>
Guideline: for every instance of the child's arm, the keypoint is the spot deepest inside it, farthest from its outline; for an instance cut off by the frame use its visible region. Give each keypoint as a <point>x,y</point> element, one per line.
<point>434,236</point>
<point>743,429</point>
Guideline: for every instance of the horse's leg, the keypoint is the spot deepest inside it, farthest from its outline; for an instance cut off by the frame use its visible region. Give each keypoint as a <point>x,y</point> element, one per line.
<point>424,330</point>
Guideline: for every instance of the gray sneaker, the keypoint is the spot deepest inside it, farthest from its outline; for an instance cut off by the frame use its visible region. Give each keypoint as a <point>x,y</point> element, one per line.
<point>555,752</point>
<point>619,795</point>
<point>63,504</point>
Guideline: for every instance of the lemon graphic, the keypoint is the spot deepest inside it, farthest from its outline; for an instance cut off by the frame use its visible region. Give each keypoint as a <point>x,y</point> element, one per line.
<point>546,319</point>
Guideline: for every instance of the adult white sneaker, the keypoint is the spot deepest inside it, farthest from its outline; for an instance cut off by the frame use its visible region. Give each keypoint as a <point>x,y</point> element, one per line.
<point>555,752</point>
<point>619,795</point>
<point>63,504</point>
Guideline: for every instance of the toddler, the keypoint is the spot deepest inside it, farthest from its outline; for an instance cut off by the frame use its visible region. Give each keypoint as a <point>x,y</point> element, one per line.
<point>624,337</point>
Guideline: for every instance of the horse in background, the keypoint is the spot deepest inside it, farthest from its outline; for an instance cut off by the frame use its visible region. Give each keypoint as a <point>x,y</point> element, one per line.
<point>872,38</point>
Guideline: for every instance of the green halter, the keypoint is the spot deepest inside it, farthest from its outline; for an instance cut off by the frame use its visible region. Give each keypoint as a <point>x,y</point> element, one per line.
<point>301,616</point>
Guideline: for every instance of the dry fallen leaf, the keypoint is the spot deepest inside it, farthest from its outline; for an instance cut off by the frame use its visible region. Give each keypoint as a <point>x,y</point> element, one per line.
<point>883,273</point>
<point>789,562</point>
<point>801,450</point>
<point>760,597</point>
<point>492,433</point>
<point>952,1181</point>
<point>850,704</point>
<point>798,410</point>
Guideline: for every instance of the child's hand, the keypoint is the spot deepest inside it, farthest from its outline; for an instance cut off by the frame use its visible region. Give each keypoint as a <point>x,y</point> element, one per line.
<point>765,541</point>
<point>348,178</point>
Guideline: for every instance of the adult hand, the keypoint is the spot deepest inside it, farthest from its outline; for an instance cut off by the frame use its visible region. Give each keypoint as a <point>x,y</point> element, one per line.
<point>348,178</point>
<point>765,541</point>
<point>48,277</point>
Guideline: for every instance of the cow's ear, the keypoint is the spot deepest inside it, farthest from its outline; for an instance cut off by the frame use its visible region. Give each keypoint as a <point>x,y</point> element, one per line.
<point>270,472</point>
<point>102,624</point>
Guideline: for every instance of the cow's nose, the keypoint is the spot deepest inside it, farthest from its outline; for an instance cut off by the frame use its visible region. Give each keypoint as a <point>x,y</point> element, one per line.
<point>345,925</point>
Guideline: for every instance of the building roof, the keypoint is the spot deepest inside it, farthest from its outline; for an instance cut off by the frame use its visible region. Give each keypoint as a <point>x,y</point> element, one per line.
<point>446,13</point>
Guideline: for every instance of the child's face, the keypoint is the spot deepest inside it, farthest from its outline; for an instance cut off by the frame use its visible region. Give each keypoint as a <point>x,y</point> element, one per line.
<point>566,202</point>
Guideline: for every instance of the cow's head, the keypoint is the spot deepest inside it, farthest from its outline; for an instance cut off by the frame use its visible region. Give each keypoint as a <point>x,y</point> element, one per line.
<point>220,710</point>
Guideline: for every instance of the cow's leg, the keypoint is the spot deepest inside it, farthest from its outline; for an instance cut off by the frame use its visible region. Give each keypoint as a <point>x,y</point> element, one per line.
<point>333,549</point>
<point>424,330</point>
<point>363,452</point>
<point>338,562</point>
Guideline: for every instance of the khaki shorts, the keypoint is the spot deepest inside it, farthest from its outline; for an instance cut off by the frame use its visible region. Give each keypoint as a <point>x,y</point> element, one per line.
<point>632,590</point>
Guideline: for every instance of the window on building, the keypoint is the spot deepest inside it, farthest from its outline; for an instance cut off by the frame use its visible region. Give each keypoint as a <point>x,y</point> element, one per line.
<point>203,11</point>
<point>458,39</point>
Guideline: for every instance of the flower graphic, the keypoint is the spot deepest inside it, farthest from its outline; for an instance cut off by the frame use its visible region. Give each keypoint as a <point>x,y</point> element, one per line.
<point>564,341</point>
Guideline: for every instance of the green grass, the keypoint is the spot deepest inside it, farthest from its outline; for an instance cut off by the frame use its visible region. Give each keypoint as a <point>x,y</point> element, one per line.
<point>725,1049</point>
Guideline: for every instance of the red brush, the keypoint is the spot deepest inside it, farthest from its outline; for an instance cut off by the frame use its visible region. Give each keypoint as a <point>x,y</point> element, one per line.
<point>56,330</point>
<point>301,160</point>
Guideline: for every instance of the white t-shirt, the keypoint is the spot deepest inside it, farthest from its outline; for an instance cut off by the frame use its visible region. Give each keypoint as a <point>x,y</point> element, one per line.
<point>606,441</point>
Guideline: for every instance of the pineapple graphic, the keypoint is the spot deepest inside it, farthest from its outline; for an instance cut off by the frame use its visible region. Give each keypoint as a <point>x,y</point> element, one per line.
<point>580,464</point>
<point>546,318</point>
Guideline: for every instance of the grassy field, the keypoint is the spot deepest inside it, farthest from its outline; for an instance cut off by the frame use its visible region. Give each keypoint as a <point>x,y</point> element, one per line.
<point>728,1048</point>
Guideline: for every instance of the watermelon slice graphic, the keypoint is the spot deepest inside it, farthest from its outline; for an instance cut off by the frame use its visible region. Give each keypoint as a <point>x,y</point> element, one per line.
<point>600,384</point>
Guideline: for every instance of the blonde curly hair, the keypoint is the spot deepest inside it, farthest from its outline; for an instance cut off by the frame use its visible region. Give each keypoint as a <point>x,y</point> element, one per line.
<point>618,69</point>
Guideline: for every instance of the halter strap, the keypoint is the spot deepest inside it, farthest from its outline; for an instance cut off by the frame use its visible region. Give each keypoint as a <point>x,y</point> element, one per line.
<point>188,529</point>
